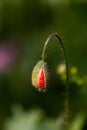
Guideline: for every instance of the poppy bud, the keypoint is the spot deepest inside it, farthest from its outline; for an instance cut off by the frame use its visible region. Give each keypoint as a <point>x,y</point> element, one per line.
<point>40,75</point>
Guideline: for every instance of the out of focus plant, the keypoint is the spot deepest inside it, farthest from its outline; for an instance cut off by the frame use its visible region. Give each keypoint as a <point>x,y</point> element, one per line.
<point>74,75</point>
<point>28,120</point>
<point>78,122</point>
<point>35,119</point>
<point>8,55</point>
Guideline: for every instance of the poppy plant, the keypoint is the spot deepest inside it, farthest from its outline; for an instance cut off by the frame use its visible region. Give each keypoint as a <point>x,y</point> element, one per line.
<point>41,75</point>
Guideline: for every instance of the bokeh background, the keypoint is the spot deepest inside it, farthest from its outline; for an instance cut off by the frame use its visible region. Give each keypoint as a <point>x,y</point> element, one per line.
<point>24,27</point>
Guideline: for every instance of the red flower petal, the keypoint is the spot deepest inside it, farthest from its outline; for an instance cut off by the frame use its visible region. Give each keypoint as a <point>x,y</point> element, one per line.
<point>41,79</point>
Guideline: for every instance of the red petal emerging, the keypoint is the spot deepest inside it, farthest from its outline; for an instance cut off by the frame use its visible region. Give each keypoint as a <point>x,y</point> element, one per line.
<point>41,79</point>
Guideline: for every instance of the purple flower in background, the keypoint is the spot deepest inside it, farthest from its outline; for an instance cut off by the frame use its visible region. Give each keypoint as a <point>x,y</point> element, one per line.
<point>8,55</point>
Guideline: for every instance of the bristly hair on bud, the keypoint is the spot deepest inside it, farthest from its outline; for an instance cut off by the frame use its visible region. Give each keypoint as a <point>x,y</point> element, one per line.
<point>40,75</point>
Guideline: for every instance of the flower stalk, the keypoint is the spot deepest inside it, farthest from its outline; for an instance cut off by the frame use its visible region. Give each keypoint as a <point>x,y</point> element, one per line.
<point>40,74</point>
<point>66,104</point>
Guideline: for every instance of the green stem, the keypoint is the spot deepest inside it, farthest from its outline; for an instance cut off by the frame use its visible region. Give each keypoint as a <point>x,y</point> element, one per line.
<point>56,36</point>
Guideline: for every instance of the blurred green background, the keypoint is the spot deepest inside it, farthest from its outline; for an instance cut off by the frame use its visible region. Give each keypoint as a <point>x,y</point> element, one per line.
<point>24,27</point>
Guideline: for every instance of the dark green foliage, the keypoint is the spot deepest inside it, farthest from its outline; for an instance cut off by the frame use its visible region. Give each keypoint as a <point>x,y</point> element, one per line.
<point>28,23</point>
